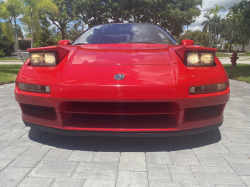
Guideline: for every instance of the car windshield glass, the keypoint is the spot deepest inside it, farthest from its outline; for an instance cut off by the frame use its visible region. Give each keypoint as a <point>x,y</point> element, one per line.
<point>125,33</point>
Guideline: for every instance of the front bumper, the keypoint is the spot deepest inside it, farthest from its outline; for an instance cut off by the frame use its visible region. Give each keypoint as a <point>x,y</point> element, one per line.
<point>119,134</point>
<point>165,84</point>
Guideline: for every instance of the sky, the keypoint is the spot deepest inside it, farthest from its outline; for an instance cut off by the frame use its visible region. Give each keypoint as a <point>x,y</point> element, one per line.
<point>210,4</point>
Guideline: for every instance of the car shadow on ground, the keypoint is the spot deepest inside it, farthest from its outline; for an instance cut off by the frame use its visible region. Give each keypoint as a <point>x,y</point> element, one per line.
<point>125,144</point>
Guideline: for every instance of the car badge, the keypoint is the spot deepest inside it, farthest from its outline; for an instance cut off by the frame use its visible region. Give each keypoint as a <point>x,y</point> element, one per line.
<point>119,77</point>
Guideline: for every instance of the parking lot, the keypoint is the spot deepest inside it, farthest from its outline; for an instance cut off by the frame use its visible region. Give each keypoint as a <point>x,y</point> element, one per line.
<point>218,158</point>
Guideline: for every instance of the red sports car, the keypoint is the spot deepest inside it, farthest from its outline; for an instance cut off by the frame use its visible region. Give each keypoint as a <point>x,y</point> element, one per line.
<point>124,80</point>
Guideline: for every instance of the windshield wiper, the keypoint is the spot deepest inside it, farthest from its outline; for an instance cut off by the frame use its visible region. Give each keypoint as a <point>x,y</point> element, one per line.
<point>138,42</point>
<point>80,44</point>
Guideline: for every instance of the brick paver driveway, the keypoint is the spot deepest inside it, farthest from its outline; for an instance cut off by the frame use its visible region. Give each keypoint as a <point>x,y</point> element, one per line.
<point>217,158</point>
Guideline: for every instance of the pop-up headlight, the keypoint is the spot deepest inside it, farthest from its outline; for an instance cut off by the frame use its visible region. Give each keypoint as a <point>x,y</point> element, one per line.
<point>43,59</point>
<point>200,59</point>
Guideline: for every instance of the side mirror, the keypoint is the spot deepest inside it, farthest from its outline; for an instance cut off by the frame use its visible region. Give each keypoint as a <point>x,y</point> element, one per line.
<point>63,42</point>
<point>187,42</point>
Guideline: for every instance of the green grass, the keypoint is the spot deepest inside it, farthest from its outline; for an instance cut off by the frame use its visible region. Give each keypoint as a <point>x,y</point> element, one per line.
<point>3,58</point>
<point>225,55</point>
<point>8,73</point>
<point>241,72</point>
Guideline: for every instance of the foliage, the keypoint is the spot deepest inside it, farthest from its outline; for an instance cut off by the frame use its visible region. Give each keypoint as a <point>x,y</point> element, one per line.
<point>200,38</point>
<point>10,10</point>
<point>2,54</point>
<point>169,14</point>
<point>72,31</point>
<point>33,10</point>
<point>63,13</point>
<point>6,45</point>
<point>45,36</point>
<point>214,12</point>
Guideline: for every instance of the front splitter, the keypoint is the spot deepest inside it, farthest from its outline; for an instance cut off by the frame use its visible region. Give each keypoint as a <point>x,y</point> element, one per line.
<point>123,134</point>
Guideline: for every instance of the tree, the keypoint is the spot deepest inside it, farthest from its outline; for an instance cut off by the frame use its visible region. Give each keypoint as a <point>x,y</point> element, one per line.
<point>207,26</point>
<point>45,36</point>
<point>6,46</point>
<point>168,14</point>
<point>215,11</point>
<point>32,8</point>
<point>200,38</point>
<point>240,13</point>
<point>66,14</point>
<point>10,10</point>
<point>73,31</point>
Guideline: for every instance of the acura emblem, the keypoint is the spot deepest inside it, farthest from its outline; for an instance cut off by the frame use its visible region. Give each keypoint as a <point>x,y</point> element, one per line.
<point>119,76</point>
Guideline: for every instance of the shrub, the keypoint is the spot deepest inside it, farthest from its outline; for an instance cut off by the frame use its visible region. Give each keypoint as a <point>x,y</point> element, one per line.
<point>2,54</point>
<point>6,46</point>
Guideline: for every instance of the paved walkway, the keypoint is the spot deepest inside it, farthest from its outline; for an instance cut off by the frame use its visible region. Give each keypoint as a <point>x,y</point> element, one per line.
<point>218,158</point>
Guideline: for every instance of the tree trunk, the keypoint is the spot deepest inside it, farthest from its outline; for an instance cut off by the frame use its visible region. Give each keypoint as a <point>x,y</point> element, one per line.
<point>14,37</point>
<point>19,52</point>
<point>187,32</point>
<point>31,29</point>
<point>243,47</point>
<point>217,40</point>
<point>63,33</point>
<point>214,32</point>
<point>231,41</point>
<point>209,38</point>
<point>82,26</point>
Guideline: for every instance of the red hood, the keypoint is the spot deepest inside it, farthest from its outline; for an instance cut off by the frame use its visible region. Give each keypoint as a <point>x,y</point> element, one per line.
<point>120,54</point>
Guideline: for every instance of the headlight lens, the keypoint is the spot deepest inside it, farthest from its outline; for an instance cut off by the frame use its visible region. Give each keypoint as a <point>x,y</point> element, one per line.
<point>34,88</point>
<point>208,88</point>
<point>43,59</point>
<point>200,59</point>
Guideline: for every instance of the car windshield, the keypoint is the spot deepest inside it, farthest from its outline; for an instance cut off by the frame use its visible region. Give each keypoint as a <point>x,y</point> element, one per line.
<point>125,33</point>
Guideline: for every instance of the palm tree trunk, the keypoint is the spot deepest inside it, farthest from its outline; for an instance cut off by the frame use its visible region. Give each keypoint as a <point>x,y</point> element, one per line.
<point>231,41</point>
<point>14,37</point>
<point>214,31</point>
<point>19,52</point>
<point>31,29</point>
<point>209,38</point>
<point>217,40</point>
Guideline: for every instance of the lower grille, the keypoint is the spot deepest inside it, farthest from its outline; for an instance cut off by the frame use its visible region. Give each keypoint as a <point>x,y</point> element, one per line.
<point>120,108</point>
<point>120,115</point>
<point>203,113</point>
<point>42,112</point>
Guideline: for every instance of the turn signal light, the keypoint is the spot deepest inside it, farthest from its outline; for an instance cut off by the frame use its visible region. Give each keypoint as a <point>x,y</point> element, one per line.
<point>208,88</point>
<point>34,88</point>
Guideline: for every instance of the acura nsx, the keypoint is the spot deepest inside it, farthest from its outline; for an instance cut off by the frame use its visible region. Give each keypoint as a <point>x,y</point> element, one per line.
<point>123,80</point>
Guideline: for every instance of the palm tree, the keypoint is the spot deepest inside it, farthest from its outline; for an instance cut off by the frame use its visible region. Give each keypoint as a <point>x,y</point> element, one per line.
<point>218,29</point>
<point>215,13</point>
<point>9,11</point>
<point>207,26</point>
<point>34,6</point>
